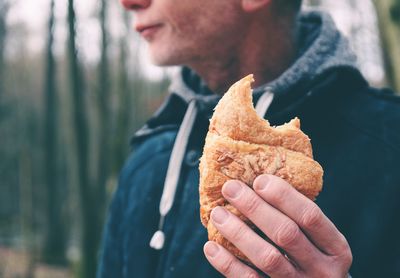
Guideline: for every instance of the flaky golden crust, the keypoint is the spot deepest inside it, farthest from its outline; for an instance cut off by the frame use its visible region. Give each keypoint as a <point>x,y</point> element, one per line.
<point>241,145</point>
<point>235,117</point>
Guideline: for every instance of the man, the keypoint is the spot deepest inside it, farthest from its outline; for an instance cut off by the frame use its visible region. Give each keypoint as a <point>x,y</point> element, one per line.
<point>306,65</point>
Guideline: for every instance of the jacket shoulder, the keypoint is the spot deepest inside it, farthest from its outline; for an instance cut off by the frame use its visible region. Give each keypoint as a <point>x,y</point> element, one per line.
<point>385,95</point>
<point>146,149</point>
<point>376,113</point>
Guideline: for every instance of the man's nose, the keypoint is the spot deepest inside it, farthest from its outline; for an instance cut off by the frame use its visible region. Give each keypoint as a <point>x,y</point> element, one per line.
<point>135,4</point>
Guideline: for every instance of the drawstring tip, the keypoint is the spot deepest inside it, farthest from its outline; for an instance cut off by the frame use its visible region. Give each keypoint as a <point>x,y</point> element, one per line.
<point>157,241</point>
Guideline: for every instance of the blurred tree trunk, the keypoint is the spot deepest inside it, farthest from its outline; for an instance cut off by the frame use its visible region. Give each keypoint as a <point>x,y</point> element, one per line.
<point>26,206</point>
<point>124,100</point>
<point>390,34</point>
<point>55,245</point>
<point>105,155</point>
<point>89,242</point>
<point>4,6</point>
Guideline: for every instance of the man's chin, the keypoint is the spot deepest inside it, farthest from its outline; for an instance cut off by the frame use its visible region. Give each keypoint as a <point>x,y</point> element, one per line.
<point>164,59</point>
<point>164,62</point>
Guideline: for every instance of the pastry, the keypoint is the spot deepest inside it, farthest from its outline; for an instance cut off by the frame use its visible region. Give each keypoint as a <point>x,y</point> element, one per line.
<point>241,145</point>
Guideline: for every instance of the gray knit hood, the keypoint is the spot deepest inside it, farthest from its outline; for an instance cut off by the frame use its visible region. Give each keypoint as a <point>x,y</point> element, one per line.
<point>321,49</point>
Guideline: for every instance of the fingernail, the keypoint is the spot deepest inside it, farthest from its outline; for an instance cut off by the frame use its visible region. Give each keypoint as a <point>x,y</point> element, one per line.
<point>232,189</point>
<point>219,215</point>
<point>211,249</point>
<point>261,182</point>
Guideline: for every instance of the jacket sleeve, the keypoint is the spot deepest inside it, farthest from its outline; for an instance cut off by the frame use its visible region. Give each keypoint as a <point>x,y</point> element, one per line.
<point>111,260</point>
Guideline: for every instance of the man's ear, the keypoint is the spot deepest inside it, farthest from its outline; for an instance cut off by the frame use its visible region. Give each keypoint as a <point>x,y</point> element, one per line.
<point>254,5</point>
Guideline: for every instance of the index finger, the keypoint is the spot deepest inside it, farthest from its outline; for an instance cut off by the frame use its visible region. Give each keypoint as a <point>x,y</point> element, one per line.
<point>319,229</point>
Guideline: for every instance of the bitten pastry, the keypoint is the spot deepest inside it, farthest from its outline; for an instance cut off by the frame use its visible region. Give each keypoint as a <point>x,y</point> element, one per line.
<point>241,145</point>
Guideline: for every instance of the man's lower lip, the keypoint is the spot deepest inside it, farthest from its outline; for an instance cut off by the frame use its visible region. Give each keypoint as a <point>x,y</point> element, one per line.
<point>149,32</point>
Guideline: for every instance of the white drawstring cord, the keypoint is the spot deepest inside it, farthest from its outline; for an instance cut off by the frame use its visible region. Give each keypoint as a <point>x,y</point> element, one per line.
<point>173,172</point>
<point>264,103</point>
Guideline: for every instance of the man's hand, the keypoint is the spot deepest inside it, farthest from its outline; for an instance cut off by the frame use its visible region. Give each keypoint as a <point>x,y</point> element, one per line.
<point>312,245</point>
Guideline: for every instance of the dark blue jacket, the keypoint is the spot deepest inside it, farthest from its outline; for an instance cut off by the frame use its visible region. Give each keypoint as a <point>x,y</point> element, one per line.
<point>355,133</point>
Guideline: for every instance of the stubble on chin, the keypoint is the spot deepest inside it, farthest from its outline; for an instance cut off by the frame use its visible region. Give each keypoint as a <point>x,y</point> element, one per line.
<point>165,56</point>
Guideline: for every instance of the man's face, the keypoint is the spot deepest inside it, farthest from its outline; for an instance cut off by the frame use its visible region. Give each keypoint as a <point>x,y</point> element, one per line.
<point>187,31</point>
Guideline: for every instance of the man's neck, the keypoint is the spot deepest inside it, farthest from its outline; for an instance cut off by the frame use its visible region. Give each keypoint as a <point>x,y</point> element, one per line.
<point>266,51</point>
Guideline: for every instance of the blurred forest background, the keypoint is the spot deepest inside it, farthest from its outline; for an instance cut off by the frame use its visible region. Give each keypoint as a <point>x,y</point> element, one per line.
<point>75,84</point>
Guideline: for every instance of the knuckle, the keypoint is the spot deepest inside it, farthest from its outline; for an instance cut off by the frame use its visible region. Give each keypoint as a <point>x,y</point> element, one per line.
<point>227,267</point>
<point>345,256</point>
<point>278,193</point>
<point>323,272</point>
<point>323,269</point>
<point>332,266</point>
<point>239,232</point>
<point>343,247</point>
<point>252,204</point>
<point>312,216</point>
<point>287,234</point>
<point>251,274</point>
<point>342,263</point>
<point>348,260</point>
<point>271,261</point>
